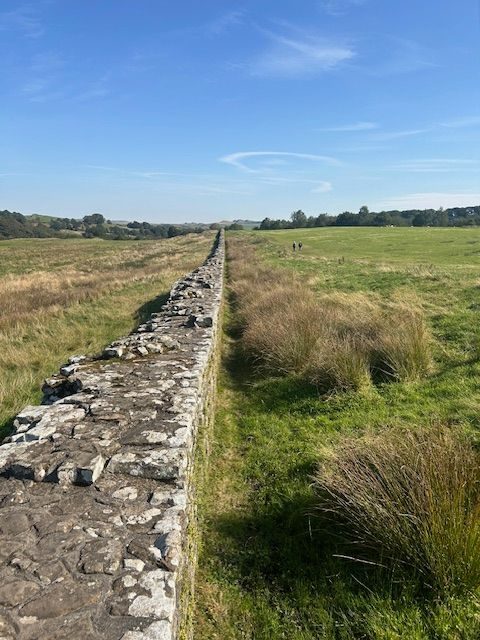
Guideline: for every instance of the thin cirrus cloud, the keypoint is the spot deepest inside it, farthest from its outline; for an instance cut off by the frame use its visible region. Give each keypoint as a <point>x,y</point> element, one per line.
<point>406,133</point>
<point>398,56</point>
<point>463,122</point>
<point>171,181</point>
<point>320,186</point>
<point>299,56</point>
<point>239,159</point>
<point>323,187</point>
<point>24,19</point>
<point>225,22</point>
<point>356,126</point>
<point>437,165</point>
<point>339,7</point>
<point>427,200</point>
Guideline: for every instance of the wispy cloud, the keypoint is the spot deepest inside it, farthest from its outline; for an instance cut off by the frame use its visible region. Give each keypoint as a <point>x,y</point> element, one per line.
<point>319,186</point>
<point>225,22</point>
<point>214,183</point>
<point>194,183</point>
<point>46,80</point>
<point>406,133</point>
<point>430,200</point>
<point>95,89</point>
<point>323,187</point>
<point>437,165</point>
<point>25,19</point>
<point>339,7</point>
<point>42,80</point>
<point>356,126</point>
<point>397,56</point>
<point>465,121</point>
<point>299,55</point>
<point>239,158</point>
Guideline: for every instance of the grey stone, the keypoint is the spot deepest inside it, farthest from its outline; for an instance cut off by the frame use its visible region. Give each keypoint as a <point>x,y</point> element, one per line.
<point>125,493</point>
<point>14,523</point>
<point>7,630</point>
<point>134,563</point>
<point>97,552</point>
<point>77,359</point>
<point>159,603</point>
<point>67,370</point>
<point>62,598</point>
<point>83,470</point>
<point>157,464</point>
<point>101,556</point>
<point>16,592</point>
<point>113,352</point>
<point>161,630</point>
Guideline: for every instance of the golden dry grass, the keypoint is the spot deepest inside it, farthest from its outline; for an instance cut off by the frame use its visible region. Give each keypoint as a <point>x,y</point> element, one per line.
<point>60,297</point>
<point>335,340</point>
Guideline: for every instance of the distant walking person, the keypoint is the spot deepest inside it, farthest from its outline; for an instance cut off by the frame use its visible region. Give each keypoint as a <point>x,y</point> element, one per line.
<point>294,246</point>
<point>300,245</point>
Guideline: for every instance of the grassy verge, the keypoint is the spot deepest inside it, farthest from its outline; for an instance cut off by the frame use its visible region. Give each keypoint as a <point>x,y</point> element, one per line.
<point>268,565</point>
<point>62,297</point>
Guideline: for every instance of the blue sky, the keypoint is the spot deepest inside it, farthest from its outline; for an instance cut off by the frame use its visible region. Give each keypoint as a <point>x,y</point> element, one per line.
<point>216,109</point>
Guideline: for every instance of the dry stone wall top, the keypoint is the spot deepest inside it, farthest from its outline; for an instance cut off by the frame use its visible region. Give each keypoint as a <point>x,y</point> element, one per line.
<point>95,484</point>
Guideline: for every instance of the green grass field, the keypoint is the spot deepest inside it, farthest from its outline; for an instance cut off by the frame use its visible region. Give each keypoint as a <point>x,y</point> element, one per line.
<point>266,568</point>
<point>65,297</point>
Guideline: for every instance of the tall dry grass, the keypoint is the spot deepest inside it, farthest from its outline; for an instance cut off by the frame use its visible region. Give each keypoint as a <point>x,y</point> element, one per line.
<point>408,497</point>
<point>335,340</point>
<point>70,273</point>
<point>59,297</point>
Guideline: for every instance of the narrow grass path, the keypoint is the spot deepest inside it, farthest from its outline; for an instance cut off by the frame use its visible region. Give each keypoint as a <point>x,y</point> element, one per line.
<point>267,566</point>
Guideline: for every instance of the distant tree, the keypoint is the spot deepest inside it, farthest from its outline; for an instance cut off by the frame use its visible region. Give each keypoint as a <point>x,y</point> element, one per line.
<point>299,219</point>
<point>423,218</point>
<point>347,219</point>
<point>363,210</point>
<point>58,224</point>
<point>382,219</point>
<point>440,218</point>
<point>119,233</point>
<point>95,218</point>
<point>235,226</point>
<point>98,230</point>
<point>215,226</point>
<point>323,220</point>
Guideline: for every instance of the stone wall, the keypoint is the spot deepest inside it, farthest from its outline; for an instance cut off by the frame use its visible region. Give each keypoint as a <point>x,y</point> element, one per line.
<point>96,483</point>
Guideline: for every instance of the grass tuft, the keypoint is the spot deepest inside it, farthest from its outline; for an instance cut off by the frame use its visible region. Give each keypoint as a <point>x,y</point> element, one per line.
<point>411,498</point>
<point>336,341</point>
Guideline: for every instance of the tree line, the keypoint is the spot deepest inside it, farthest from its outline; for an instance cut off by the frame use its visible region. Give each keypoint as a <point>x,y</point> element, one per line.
<point>16,225</point>
<point>453,217</point>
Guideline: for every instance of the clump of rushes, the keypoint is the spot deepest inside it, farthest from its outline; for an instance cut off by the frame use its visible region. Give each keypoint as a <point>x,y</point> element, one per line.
<point>410,498</point>
<point>335,341</point>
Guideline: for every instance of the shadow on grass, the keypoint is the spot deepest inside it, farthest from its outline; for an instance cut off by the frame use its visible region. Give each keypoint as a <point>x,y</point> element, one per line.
<point>279,542</point>
<point>144,312</point>
<point>6,427</point>
<point>287,549</point>
<point>140,316</point>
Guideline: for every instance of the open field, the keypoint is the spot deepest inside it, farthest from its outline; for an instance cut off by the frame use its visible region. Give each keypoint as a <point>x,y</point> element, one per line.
<point>61,297</point>
<point>270,565</point>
